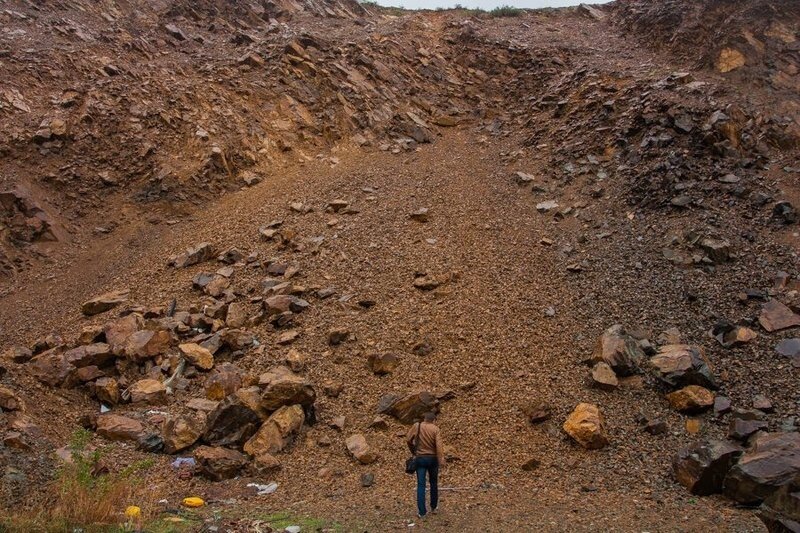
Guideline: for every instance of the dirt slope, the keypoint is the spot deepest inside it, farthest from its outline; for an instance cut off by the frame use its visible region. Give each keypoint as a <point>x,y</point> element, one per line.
<point>394,114</point>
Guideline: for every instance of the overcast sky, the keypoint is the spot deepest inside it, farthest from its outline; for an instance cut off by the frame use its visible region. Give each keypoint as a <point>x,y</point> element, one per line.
<point>484,4</point>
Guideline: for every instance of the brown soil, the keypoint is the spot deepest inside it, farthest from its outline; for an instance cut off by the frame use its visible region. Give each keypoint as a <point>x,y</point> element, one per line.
<point>495,347</point>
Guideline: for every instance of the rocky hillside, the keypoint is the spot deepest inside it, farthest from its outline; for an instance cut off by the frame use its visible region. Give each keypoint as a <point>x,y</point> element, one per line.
<point>248,243</point>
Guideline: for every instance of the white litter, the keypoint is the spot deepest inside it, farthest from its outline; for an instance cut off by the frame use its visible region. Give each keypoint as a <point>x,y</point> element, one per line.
<point>263,490</point>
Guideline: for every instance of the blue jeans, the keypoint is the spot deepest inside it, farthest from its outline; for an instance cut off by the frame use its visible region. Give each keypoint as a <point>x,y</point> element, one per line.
<point>429,465</point>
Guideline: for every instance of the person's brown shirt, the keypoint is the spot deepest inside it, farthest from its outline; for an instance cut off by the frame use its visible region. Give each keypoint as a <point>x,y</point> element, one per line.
<point>430,440</point>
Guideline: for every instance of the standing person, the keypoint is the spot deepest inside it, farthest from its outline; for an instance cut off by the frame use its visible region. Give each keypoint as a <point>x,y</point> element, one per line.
<point>425,442</point>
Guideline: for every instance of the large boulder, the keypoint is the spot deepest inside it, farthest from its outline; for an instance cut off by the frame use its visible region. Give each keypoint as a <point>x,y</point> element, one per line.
<point>359,448</point>
<point>119,331</point>
<point>746,422</point>
<point>181,432</point>
<point>107,390</point>
<point>703,467</point>
<point>409,408</point>
<point>679,365</point>
<point>104,302</point>
<point>232,423</point>
<point>149,391</point>
<point>586,426</point>
<point>284,387</point>
<point>223,381</point>
<point>776,316</point>
<point>218,463</point>
<point>116,427</point>
<point>145,344</point>
<point>619,350</point>
<point>691,399</point>
<point>98,354</point>
<point>200,357</point>
<point>780,512</point>
<point>194,255</point>
<point>771,462</point>
<point>276,433</point>
<point>52,368</point>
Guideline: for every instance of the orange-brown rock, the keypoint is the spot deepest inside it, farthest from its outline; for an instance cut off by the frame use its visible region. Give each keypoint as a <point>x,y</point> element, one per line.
<point>276,433</point>
<point>104,302</point>
<point>116,427</point>
<point>217,463</point>
<point>223,381</point>
<point>150,391</point>
<point>181,432</point>
<point>197,355</point>
<point>145,344</point>
<point>359,448</point>
<point>691,399</point>
<point>587,426</point>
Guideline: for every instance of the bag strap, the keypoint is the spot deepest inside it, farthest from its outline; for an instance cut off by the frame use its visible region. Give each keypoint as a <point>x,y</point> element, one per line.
<point>416,440</point>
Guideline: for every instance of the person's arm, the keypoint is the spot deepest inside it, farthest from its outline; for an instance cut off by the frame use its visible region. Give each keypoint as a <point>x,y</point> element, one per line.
<point>412,434</point>
<point>439,449</point>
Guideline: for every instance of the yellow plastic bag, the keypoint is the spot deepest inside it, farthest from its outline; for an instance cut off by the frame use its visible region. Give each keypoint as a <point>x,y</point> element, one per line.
<point>193,501</point>
<point>133,512</point>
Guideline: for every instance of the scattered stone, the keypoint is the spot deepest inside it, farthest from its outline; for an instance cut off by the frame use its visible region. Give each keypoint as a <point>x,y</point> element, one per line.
<point>18,354</point>
<point>409,408</point>
<point>360,450</point>
<point>146,344</point>
<point>217,463</point>
<point>790,348</point>
<point>338,205</point>
<point>780,511</point>
<point>729,335</point>
<point>426,283</point>
<point>746,422</point>
<point>382,363</point>
<point>531,464</point>
<point>9,401</point>
<point>192,256</point>
<point>276,433</point>
<point>295,360</point>
<point>785,213</point>
<point>619,350</point>
<point>680,365</point>
<point>537,412</point>
<point>420,215</point>
<point>197,355</point>
<point>762,403</point>
<point>587,427</point>
<point>603,377</point>
<point>182,432</point>
<point>116,427</point>
<point>367,479</point>
<point>52,368</point>
<point>232,423</point>
<point>522,178</point>
<point>691,399</point>
<point>545,207</point>
<point>772,461</point>
<point>149,391</point>
<point>104,302</point>
<point>776,316</point>
<point>282,387</point>
<point>702,468</point>
<point>223,381</point>
<point>337,336</point>
<point>722,405</point>
<point>98,354</point>
<point>107,391</point>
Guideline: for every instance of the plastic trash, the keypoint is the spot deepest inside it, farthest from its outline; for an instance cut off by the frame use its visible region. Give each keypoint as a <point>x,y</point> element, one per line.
<point>104,409</point>
<point>133,512</point>
<point>292,529</point>
<point>184,461</point>
<point>193,501</point>
<point>262,490</point>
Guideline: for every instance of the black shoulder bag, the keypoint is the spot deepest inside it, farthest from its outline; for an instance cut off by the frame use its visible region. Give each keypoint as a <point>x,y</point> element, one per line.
<point>411,462</point>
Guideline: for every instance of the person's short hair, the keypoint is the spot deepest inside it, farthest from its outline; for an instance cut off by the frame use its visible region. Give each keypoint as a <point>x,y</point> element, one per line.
<point>430,416</point>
